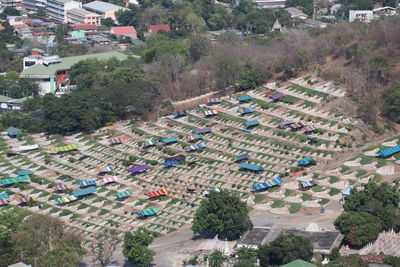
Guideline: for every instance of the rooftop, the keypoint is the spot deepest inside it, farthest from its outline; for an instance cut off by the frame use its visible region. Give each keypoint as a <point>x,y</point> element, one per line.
<point>254,237</point>
<point>299,263</point>
<point>123,30</point>
<point>79,11</point>
<point>67,63</point>
<point>101,7</point>
<point>86,27</point>
<point>323,242</point>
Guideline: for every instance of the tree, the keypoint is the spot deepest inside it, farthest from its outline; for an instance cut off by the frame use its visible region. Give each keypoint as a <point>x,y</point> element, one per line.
<point>222,214</point>
<point>108,22</point>
<point>41,12</point>
<point>216,258</point>
<point>45,241</point>
<point>128,17</point>
<point>391,107</point>
<point>352,260</point>
<point>103,246</point>
<point>284,249</point>
<point>10,11</point>
<point>62,31</point>
<point>10,222</point>
<point>249,79</point>
<point>226,72</point>
<point>135,247</point>
<point>392,260</point>
<point>198,47</point>
<point>247,257</point>
<point>379,200</point>
<point>307,6</point>
<point>359,228</point>
<point>194,23</point>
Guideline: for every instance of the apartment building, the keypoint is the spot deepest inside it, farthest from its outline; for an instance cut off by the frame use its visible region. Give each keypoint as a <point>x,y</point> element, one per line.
<point>17,4</point>
<point>33,5</point>
<point>361,15</point>
<point>82,16</point>
<point>57,9</point>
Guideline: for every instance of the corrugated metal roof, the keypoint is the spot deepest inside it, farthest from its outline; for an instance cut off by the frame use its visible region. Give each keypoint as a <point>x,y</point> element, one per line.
<point>101,7</point>
<point>67,63</point>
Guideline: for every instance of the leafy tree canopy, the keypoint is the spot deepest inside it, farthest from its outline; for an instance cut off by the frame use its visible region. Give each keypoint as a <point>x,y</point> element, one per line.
<point>46,241</point>
<point>222,214</point>
<point>284,249</point>
<point>352,260</point>
<point>359,228</point>
<point>380,200</point>
<point>135,247</point>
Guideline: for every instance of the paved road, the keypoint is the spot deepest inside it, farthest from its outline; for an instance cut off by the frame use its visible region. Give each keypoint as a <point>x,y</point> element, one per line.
<point>173,248</point>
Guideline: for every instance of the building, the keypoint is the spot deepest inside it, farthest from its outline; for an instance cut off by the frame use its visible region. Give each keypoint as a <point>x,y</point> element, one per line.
<point>57,9</point>
<point>277,27</point>
<point>271,3</point>
<point>384,11</point>
<point>84,27</point>
<point>17,4</point>
<point>254,238</point>
<point>106,10</point>
<point>82,16</point>
<point>296,13</point>
<point>52,73</point>
<point>128,31</point>
<point>361,15</point>
<point>33,5</point>
<point>161,27</point>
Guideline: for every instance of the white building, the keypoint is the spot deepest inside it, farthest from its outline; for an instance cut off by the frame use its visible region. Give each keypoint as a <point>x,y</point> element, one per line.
<point>57,9</point>
<point>361,15</point>
<point>17,4</point>
<point>33,5</point>
<point>82,16</point>
<point>52,73</point>
<point>271,3</point>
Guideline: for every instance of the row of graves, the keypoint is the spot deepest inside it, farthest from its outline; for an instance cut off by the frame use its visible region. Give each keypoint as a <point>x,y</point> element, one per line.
<point>157,174</point>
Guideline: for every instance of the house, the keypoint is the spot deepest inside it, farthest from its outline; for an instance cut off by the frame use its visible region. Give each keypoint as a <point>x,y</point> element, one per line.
<point>84,27</point>
<point>361,15</point>
<point>52,73</point>
<point>271,3</point>
<point>82,16</point>
<point>128,31</point>
<point>384,11</point>
<point>98,39</point>
<point>20,264</point>
<point>57,9</point>
<point>155,28</point>
<point>106,10</point>
<point>296,13</point>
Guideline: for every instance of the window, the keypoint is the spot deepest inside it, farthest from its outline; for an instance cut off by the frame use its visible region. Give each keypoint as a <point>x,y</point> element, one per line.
<point>29,63</point>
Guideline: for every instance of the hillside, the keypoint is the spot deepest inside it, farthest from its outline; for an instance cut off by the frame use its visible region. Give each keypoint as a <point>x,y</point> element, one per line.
<point>360,57</point>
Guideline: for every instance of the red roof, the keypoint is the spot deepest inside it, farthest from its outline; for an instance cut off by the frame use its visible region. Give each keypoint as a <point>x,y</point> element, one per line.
<point>1,27</point>
<point>373,258</point>
<point>20,26</point>
<point>19,4</point>
<point>123,30</point>
<point>156,28</point>
<point>85,27</point>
